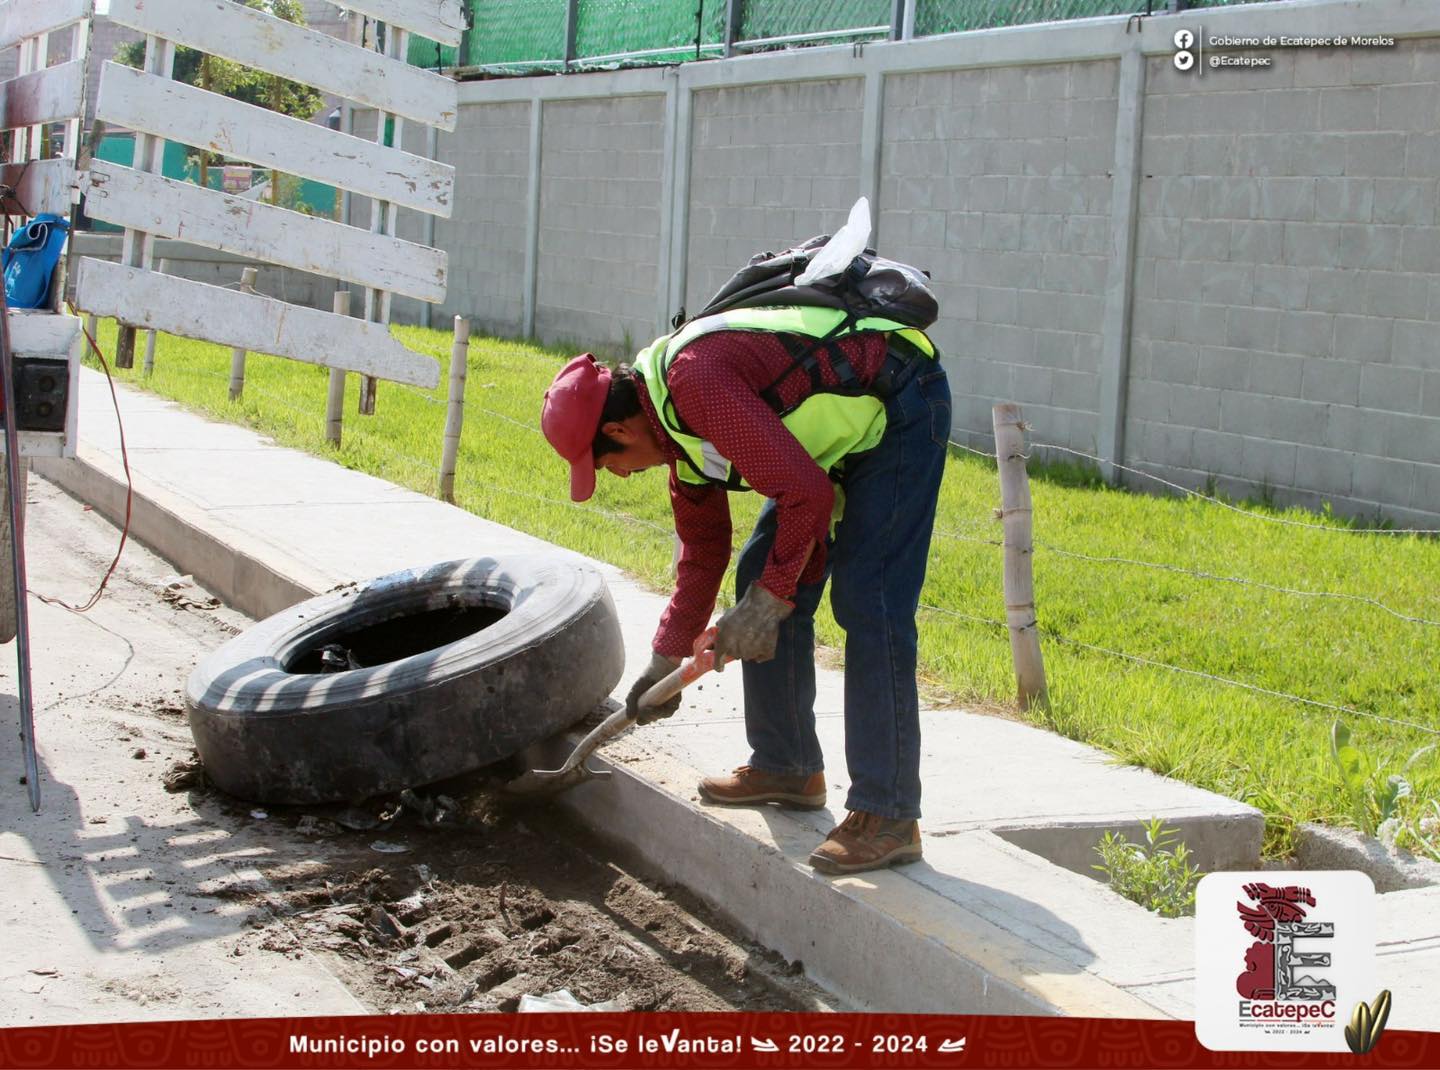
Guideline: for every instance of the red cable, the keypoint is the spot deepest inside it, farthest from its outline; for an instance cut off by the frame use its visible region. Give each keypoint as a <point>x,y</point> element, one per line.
<point>129,489</point>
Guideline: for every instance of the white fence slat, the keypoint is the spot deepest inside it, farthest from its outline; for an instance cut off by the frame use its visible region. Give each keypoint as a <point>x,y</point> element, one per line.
<point>42,334</point>
<point>439,20</point>
<point>191,116</point>
<point>163,206</point>
<point>42,185</point>
<point>256,39</point>
<point>30,18</point>
<point>247,321</point>
<point>44,96</point>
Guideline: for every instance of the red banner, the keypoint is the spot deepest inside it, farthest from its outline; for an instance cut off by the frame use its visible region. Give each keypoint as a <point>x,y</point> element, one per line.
<point>663,1040</point>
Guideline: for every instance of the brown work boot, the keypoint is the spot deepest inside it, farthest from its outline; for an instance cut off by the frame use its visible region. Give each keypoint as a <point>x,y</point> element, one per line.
<point>747,786</point>
<point>867,841</point>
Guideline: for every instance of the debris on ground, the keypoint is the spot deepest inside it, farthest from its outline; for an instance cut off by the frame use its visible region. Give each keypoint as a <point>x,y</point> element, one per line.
<point>185,775</point>
<point>183,593</point>
<point>561,1001</point>
<point>355,819</point>
<point>336,658</point>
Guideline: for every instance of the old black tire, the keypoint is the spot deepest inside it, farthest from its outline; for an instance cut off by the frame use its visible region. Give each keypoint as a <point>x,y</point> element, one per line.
<point>271,734</point>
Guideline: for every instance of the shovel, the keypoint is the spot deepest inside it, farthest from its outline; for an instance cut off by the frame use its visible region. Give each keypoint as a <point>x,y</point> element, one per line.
<point>544,782</point>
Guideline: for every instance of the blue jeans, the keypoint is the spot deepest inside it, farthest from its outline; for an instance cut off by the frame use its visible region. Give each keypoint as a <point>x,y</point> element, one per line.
<point>877,563</point>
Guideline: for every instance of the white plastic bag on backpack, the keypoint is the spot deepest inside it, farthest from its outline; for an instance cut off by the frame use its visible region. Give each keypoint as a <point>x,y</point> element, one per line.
<point>847,243</point>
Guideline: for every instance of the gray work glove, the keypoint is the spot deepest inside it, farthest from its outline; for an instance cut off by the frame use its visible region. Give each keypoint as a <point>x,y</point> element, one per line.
<point>749,630</point>
<point>660,667</point>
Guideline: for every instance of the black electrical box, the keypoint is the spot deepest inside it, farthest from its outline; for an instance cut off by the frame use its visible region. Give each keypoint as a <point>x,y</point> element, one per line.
<point>41,392</point>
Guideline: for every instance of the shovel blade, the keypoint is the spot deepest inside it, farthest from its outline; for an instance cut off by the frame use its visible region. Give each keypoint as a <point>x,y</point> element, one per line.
<point>544,783</point>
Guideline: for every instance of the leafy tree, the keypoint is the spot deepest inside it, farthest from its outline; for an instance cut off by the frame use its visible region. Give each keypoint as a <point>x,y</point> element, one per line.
<point>237,81</point>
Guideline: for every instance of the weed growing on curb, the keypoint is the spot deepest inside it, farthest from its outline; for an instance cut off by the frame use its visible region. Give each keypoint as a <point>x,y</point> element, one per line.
<point>1157,874</point>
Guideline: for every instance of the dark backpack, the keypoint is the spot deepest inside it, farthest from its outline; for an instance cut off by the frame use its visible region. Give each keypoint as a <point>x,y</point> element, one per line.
<point>870,286</point>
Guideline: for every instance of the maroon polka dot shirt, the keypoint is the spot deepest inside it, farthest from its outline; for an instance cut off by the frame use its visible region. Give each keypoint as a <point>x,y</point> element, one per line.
<point>715,382</point>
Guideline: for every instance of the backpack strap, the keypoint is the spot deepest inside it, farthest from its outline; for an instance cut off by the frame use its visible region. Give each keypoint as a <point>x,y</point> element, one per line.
<point>805,356</point>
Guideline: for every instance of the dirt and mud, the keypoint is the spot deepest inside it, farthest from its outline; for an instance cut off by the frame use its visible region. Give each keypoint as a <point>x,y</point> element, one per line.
<point>456,899</point>
<point>140,891</point>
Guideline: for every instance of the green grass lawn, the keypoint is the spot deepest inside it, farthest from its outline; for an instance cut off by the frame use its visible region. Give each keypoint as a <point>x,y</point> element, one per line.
<point>1271,751</point>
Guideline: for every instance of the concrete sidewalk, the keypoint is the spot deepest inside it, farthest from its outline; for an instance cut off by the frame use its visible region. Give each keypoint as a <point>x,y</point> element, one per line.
<point>118,897</point>
<point>1000,917</point>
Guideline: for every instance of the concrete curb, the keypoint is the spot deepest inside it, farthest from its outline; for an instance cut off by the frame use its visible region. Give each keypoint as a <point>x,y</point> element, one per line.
<point>882,939</point>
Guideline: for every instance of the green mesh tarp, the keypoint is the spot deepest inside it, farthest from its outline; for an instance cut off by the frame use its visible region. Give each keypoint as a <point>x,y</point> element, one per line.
<point>782,18</point>
<point>521,34</point>
<point>953,16</point>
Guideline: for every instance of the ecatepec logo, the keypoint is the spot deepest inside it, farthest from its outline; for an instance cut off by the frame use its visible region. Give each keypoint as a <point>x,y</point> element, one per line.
<point>1281,958</point>
<point>1273,963</point>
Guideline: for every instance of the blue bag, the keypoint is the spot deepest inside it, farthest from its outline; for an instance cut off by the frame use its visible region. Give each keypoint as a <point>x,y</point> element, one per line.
<point>30,259</point>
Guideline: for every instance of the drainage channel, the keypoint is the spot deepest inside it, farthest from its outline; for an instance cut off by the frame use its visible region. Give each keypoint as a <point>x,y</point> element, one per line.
<point>455,901</point>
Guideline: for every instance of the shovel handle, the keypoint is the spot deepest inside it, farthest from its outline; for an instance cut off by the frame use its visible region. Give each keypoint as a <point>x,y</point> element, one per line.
<point>686,674</point>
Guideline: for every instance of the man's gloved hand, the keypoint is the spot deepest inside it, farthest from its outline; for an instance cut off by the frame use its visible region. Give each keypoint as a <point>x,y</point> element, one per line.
<point>660,667</point>
<point>749,630</point>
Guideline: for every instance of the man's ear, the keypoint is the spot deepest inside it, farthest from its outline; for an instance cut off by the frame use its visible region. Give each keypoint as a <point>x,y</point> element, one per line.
<point>617,431</point>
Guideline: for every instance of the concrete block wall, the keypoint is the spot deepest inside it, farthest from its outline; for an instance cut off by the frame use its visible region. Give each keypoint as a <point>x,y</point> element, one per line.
<point>997,181</point>
<point>771,165</point>
<point>1288,280</point>
<point>485,235</point>
<point>1271,330</point>
<point>600,172</point>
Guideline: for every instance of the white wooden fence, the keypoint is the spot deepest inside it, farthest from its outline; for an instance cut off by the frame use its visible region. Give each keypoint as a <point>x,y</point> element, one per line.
<point>147,205</point>
<point>42,104</point>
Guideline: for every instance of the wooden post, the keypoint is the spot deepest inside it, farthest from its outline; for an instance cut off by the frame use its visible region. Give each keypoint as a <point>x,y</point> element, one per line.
<point>237,356</point>
<point>1015,514</point>
<point>455,415</point>
<point>335,404</point>
<point>149,366</point>
<point>390,132</point>
<point>137,247</point>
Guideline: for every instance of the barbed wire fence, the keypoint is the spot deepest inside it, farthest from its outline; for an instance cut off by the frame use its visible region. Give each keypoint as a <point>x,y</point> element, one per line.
<point>1024,631</point>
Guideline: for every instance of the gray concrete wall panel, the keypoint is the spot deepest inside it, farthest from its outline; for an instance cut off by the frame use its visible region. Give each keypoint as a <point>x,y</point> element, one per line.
<point>998,181</point>
<point>485,237</point>
<point>1289,254</point>
<point>600,175</point>
<point>770,166</point>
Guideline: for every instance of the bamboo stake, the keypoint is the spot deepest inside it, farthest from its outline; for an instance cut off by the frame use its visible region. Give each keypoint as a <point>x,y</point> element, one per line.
<point>149,366</point>
<point>1015,514</point>
<point>335,403</point>
<point>455,415</point>
<point>237,356</point>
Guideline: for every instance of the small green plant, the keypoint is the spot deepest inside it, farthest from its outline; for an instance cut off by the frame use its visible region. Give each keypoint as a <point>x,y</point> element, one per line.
<point>1157,874</point>
<point>1374,796</point>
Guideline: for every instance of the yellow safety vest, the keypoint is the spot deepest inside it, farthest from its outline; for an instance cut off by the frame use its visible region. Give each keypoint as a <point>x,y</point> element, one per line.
<point>829,425</point>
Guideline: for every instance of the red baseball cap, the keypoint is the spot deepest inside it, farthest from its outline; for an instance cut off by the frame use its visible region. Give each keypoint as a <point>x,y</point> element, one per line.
<point>571,416</point>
